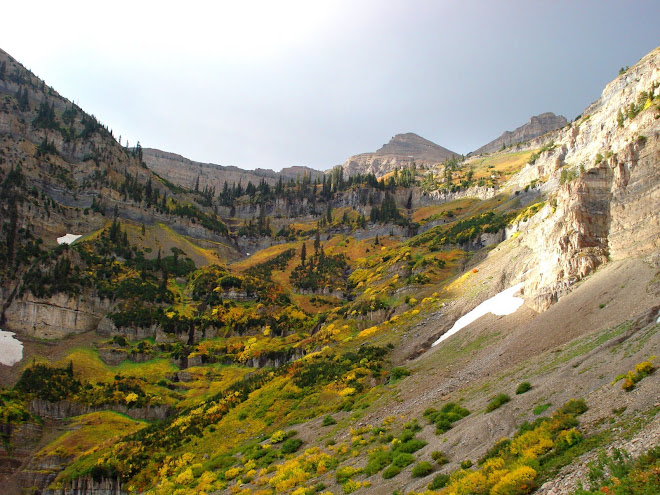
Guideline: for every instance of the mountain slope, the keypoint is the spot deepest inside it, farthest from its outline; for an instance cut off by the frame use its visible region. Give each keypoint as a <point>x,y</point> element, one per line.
<point>537,126</point>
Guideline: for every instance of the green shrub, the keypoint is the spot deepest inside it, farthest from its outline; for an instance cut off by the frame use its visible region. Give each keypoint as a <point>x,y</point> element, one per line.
<point>412,445</point>
<point>574,407</point>
<point>403,459</point>
<point>391,472</point>
<point>439,457</point>
<point>291,445</point>
<point>422,469</point>
<point>496,402</point>
<point>439,481</point>
<point>398,373</point>
<point>445,418</point>
<point>328,421</point>
<point>466,464</point>
<point>377,461</point>
<point>523,387</point>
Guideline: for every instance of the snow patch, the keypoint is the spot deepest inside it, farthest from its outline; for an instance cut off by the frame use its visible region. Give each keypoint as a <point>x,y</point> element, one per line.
<point>68,239</point>
<point>501,304</point>
<point>11,349</point>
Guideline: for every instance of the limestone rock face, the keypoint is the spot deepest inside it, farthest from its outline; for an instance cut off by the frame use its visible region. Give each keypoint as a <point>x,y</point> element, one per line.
<point>537,126</point>
<point>55,317</point>
<point>601,179</point>
<point>403,149</point>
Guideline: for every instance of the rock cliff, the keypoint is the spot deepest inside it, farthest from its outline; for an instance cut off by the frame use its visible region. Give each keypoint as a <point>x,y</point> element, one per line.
<point>55,317</point>
<point>600,176</point>
<point>537,126</point>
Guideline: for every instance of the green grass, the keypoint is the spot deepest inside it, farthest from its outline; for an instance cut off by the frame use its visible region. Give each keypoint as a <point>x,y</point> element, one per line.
<point>541,408</point>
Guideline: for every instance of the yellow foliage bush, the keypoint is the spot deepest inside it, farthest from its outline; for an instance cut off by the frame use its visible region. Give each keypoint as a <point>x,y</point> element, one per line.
<point>278,436</point>
<point>532,443</point>
<point>347,391</point>
<point>518,481</point>
<point>230,474</point>
<point>185,478</point>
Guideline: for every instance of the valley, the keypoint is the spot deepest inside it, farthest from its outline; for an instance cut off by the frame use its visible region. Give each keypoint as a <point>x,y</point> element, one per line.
<point>215,330</point>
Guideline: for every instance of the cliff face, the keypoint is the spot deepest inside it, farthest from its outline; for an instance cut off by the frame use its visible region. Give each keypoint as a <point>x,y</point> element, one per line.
<point>537,126</point>
<point>56,317</point>
<point>184,172</point>
<point>601,181</point>
<point>403,149</point>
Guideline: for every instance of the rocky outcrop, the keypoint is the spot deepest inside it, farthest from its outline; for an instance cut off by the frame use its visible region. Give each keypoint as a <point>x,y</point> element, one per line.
<point>55,317</point>
<point>89,486</point>
<point>537,126</point>
<point>66,409</point>
<point>403,149</point>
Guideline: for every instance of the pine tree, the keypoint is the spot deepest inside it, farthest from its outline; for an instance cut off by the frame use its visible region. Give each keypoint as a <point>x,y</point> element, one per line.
<point>317,242</point>
<point>303,254</point>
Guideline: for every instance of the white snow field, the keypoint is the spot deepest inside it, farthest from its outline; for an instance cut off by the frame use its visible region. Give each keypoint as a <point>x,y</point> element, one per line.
<point>501,304</point>
<point>68,239</point>
<point>11,349</point>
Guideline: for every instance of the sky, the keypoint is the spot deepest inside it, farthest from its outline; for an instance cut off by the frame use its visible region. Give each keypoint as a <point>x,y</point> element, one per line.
<point>273,84</point>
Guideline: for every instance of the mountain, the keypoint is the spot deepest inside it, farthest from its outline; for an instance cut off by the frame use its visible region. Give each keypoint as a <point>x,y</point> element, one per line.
<point>402,149</point>
<point>185,172</point>
<point>537,126</point>
<point>491,328</point>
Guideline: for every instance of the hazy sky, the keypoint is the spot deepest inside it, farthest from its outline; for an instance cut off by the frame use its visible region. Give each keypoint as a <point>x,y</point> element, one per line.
<point>279,83</point>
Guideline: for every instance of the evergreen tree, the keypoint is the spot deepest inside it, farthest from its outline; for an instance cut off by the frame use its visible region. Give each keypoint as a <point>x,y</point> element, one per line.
<point>303,254</point>
<point>317,241</point>
<point>3,68</point>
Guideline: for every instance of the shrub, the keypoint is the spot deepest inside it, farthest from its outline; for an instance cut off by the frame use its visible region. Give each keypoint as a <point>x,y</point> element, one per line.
<point>391,472</point>
<point>291,445</point>
<point>410,446</point>
<point>398,373</point>
<point>422,469</point>
<point>278,436</point>
<point>439,481</point>
<point>403,459</point>
<point>523,387</point>
<point>466,464</point>
<point>445,417</point>
<point>377,461</point>
<point>439,457</point>
<point>518,481</point>
<point>328,421</point>
<point>496,402</point>
<point>574,407</point>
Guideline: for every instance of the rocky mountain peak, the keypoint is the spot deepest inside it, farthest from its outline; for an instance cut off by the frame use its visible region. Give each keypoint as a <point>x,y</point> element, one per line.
<point>401,150</point>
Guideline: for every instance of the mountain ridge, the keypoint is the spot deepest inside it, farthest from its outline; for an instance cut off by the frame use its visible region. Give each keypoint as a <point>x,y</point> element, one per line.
<point>538,125</point>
